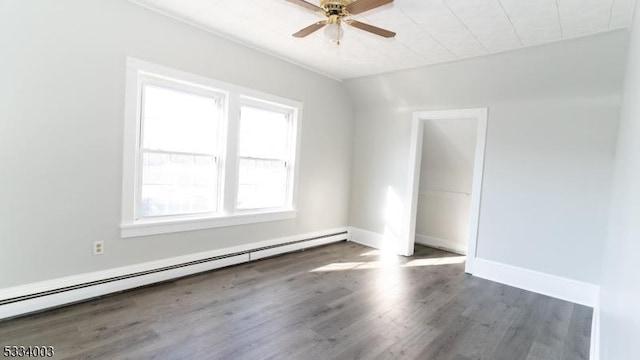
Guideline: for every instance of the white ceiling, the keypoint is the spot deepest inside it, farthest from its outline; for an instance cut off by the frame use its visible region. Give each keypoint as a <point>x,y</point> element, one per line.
<point>428,31</point>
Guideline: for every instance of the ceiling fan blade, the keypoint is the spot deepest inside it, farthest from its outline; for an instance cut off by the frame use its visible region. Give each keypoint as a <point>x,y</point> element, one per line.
<point>306,5</point>
<point>310,29</point>
<point>370,28</point>
<point>360,6</point>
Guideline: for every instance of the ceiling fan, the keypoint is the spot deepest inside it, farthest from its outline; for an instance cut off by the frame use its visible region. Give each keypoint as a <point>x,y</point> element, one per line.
<point>336,11</point>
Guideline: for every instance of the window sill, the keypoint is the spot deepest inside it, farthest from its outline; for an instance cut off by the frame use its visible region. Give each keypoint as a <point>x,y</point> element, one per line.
<point>164,226</point>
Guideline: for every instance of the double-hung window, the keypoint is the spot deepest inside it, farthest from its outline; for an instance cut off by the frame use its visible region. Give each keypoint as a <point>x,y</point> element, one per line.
<point>179,149</point>
<point>264,156</point>
<point>199,153</point>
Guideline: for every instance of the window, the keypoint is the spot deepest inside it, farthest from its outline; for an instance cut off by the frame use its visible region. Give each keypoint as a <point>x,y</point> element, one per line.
<point>179,150</point>
<point>201,153</point>
<point>263,157</point>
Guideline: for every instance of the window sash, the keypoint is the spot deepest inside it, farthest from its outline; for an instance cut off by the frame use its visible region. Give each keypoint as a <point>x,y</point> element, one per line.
<point>283,202</point>
<point>286,159</point>
<point>218,138</point>
<point>282,159</point>
<point>215,185</point>
<point>286,114</point>
<point>174,85</point>
<point>185,153</point>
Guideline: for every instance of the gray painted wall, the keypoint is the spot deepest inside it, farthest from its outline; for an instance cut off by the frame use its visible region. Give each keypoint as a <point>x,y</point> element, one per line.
<point>553,114</point>
<point>551,139</point>
<point>446,180</point>
<point>62,71</point>
<point>620,314</point>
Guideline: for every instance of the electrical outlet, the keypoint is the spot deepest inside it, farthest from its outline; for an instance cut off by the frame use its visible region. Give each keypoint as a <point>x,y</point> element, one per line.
<point>98,247</point>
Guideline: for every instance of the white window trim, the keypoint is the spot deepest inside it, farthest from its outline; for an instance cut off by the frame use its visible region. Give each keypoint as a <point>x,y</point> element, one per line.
<point>228,164</point>
<point>220,97</point>
<point>291,141</point>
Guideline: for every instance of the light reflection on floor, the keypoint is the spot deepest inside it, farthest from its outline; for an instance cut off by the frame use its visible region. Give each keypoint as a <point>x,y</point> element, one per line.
<point>389,262</point>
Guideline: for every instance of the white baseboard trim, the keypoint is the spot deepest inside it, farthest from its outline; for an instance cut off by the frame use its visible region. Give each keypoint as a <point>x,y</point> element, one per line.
<point>555,286</point>
<point>24,299</point>
<point>375,240</point>
<point>443,244</point>
<point>390,243</point>
<point>366,237</point>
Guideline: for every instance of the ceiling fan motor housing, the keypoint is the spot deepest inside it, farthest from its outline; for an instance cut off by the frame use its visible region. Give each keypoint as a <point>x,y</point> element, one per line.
<point>335,7</point>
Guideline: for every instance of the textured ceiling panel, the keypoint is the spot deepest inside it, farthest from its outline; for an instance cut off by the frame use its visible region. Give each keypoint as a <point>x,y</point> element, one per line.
<point>621,13</point>
<point>582,17</point>
<point>535,22</point>
<point>488,22</point>
<point>437,19</point>
<point>428,31</point>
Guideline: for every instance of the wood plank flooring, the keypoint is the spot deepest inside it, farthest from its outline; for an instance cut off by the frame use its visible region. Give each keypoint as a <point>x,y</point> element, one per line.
<point>341,301</point>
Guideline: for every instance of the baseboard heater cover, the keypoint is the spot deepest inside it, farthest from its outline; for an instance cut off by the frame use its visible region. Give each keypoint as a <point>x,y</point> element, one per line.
<point>108,280</point>
<point>241,256</point>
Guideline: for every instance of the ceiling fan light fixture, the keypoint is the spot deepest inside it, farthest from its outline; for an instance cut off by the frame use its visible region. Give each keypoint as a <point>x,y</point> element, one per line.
<point>333,32</point>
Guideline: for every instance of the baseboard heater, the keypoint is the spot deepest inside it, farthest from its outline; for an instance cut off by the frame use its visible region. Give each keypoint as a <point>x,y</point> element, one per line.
<point>63,295</point>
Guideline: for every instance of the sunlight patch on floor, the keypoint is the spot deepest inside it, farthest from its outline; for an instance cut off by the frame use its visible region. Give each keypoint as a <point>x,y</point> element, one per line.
<point>436,261</point>
<point>374,252</point>
<point>368,265</point>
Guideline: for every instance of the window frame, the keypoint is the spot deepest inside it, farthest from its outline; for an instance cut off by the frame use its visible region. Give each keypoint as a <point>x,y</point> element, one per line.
<point>194,89</point>
<point>289,162</point>
<point>227,164</point>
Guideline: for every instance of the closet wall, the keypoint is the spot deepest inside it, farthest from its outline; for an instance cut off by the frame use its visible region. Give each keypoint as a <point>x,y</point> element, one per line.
<point>446,177</point>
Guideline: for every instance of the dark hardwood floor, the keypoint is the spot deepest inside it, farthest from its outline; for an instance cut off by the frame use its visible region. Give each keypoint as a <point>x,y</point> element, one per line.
<point>341,301</point>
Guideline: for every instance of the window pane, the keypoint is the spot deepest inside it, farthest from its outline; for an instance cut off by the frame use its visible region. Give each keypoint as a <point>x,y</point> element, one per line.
<point>262,184</point>
<point>177,184</point>
<point>263,133</point>
<point>179,121</point>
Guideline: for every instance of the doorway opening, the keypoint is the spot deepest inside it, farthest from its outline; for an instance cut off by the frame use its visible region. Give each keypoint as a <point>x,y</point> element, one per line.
<point>443,203</point>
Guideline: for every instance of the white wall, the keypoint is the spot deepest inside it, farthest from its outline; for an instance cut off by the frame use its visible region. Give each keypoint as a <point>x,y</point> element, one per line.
<point>552,127</point>
<point>62,72</point>
<point>446,179</point>
<point>620,288</point>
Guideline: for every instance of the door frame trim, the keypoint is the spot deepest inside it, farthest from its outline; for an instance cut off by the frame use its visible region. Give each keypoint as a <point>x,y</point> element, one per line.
<point>415,160</point>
